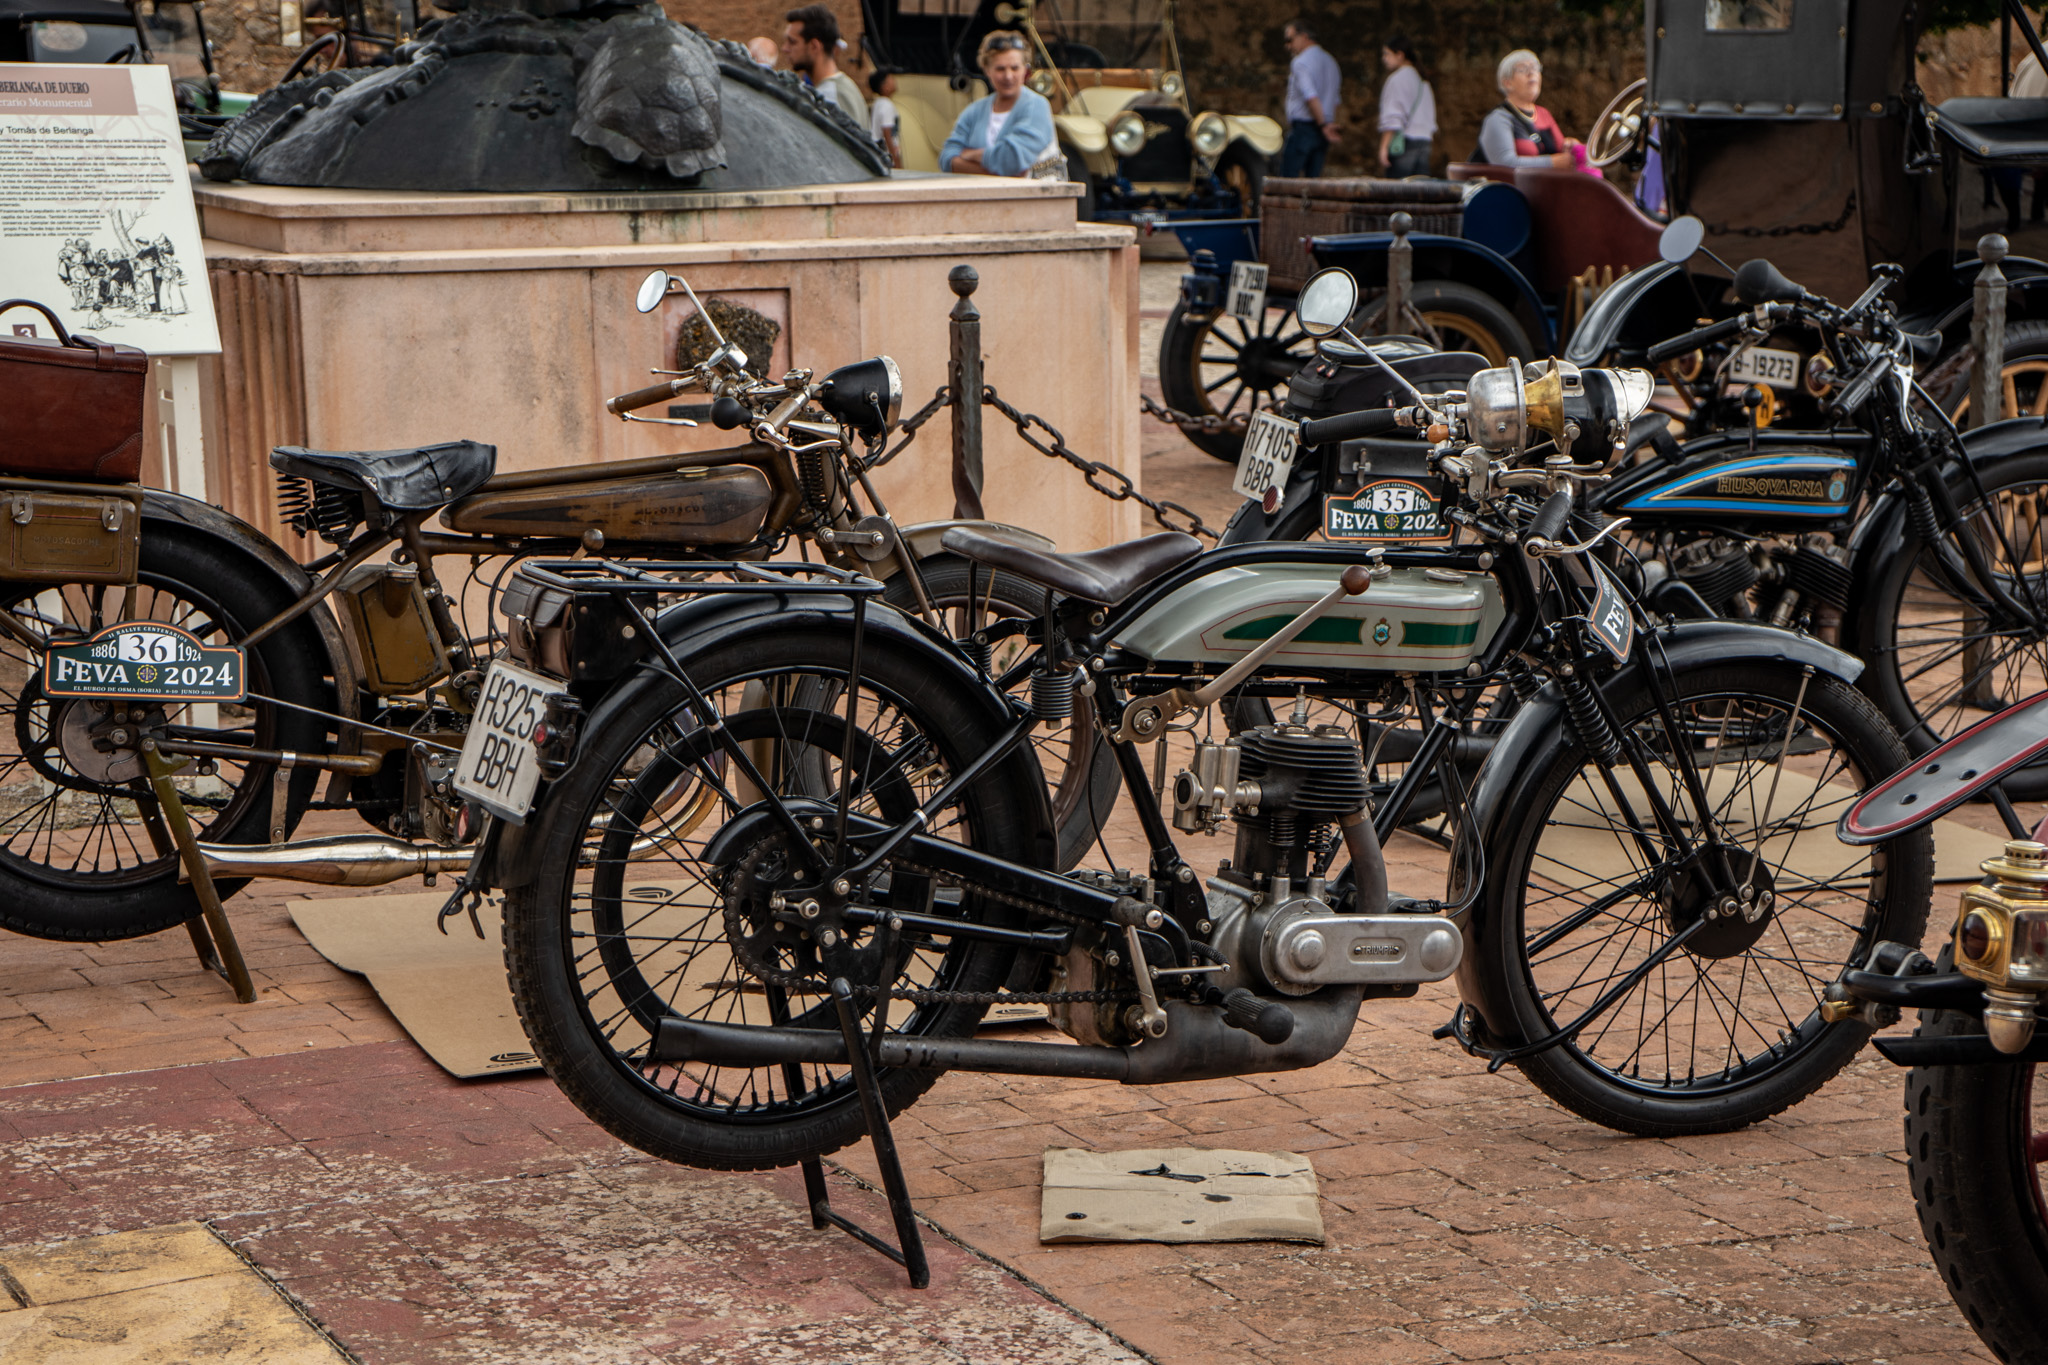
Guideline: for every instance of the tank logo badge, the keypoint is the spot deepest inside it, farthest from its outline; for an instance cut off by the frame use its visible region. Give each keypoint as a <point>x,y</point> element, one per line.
<point>1837,487</point>
<point>1742,486</point>
<point>1382,632</point>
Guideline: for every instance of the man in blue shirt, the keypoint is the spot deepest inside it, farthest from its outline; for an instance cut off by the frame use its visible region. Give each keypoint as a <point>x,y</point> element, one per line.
<point>1311,107</point>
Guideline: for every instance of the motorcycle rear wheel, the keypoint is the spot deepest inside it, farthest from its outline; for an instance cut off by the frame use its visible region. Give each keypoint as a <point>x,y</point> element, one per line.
<point>592,971</point>
<point>1727,1031</point>
<point>1976,1140</point>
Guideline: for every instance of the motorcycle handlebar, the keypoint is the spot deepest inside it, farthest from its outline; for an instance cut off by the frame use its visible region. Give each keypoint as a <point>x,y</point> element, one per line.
<point>1348,426</point>
<point>1857,391</point>
<point>644,398</point>
<point>1692,341</point>
<point>1550,519</point>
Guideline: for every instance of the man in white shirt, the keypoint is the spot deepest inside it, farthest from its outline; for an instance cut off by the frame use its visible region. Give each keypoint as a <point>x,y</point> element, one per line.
<point>810,44</point>
<point>1311,105</point>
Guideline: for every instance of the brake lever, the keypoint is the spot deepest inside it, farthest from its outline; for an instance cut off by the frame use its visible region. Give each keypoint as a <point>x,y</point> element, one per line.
<point>1539,548</point>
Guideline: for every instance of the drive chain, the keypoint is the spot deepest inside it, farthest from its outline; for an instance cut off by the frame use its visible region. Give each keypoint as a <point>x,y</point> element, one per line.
<point>1119,487</point>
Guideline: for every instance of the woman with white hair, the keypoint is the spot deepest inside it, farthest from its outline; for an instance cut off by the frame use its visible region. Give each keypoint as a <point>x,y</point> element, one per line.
<point>1521,132</point>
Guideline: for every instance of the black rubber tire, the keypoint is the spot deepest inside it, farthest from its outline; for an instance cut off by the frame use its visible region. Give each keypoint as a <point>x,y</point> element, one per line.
<point>1922,716</point>
<point>1001,818</point>
<point>1691,1098</point>
<point>1079,806</point>
<point>146,897</point>
<point>1284,348</point>
<point>1243,168</point>
<point>1466,319</point>
<point>1977,1191</point>
<point>2026,347</point>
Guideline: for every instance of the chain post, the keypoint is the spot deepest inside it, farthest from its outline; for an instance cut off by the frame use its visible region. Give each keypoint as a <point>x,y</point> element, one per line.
<point>1400,277</point>
<point>1987,334</point>
<point>964,379</point>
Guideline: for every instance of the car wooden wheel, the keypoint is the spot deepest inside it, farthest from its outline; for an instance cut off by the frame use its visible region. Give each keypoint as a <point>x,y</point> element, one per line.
<point>1221,366</point>
<point>2024,375</point>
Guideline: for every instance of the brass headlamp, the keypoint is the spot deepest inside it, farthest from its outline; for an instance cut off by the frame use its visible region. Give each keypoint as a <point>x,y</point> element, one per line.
<point>2001,939</point>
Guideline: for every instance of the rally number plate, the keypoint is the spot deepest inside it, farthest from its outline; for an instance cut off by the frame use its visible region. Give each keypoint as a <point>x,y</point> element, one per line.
<point>1268,456</point>
<point>144,660</point>
<point>1779,369</point>
<point>1405,510</point>
<point>499,770</point>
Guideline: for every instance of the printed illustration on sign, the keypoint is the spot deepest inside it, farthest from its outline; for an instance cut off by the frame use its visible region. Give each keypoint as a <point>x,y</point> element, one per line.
<point>143,660</point>
<point>1386,509</point>
<point>134,277</point>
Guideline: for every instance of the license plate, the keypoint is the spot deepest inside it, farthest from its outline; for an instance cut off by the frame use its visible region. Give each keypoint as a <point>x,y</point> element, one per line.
<point>1247,301</point>
<point>499,767</point>
<point>1404,510</point>
<point>1779,369</point>
<point>1268,456</point>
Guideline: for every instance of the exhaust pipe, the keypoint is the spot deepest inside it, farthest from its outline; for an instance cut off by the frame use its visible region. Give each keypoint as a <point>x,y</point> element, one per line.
<point>339,860</point>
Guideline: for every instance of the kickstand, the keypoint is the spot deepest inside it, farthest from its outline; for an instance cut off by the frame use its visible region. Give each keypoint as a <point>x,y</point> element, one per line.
<point>911,1253</point>
<point>219,951</point>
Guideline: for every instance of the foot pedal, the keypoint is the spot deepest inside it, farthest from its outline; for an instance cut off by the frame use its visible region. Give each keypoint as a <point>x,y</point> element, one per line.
<point>1267,1020</point>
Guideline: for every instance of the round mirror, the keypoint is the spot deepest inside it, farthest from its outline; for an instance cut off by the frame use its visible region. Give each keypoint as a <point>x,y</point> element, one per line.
<point>1681,238</point>
<point>1327,302</point>
<point>653,290</point>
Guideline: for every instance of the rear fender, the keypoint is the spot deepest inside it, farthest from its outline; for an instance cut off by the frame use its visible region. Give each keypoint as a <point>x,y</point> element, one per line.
<point>1364,254</point>
<point>923,540</point>
<point>710,620</point>
<point>1541,731</point>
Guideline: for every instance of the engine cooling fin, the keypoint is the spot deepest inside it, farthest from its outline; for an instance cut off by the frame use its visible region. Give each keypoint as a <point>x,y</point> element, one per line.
<point>1326,756</point>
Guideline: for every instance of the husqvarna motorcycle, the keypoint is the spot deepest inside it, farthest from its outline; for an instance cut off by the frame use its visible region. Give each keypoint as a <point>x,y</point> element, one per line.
<point>1910,544</point>
<point>1646,897</point>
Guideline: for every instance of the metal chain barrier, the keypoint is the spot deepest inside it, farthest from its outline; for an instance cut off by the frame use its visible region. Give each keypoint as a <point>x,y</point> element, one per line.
<point>1118,489</point>
<point>908,429</point>
<point>1207,423</point>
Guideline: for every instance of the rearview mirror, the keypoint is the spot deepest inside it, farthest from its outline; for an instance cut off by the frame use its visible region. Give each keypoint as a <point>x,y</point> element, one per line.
<point>653,290</point>
<point>1327,302</point>
<point>1681,239</point>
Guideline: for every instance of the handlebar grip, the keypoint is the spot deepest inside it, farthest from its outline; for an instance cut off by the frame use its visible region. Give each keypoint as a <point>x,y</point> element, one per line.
<point>1692,341</point>
<point>1348,426</point>
<point>1857,391</point>
<point>643,398</point>
<point>1550,519</point>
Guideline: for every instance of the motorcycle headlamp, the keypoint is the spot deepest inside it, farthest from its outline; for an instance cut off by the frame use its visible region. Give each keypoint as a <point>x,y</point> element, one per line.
<point>2001,935</point>
<point>1127,133</point>
<point>1171,84</point>
<point>1210,135</point>
<point>867,395</point>
<point>1041,82</point>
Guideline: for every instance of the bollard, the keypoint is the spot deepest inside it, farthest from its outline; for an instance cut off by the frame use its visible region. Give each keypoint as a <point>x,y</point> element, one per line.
<point>1400,276</point>
<point>963,375</point>
<point>1987,334</point>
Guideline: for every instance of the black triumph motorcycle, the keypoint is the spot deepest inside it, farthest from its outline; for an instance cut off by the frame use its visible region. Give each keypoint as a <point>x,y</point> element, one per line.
<point>1912,545</point>
<point>792,845</point>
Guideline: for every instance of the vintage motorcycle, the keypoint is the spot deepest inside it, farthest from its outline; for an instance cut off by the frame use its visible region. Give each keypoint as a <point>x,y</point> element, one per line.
<point>1976,1115</point>
<point>1912,545</point>
<point>1645,901</point>
<point>365,665</point>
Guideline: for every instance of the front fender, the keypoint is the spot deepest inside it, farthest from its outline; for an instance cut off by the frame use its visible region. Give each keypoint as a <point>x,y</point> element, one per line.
<point>1261,132</point>
<point>709,620</point>
<point>1540,731</point>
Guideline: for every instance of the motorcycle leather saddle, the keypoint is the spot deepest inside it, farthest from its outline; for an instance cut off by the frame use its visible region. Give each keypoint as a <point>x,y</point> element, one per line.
<point>1105,576</point>
<point>414,480</point>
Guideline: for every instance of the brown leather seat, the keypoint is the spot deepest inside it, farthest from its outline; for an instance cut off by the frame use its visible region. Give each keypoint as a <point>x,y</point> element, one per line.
<point>1583,223</point>
<point>1479,170</point>
<point>1106,576</point>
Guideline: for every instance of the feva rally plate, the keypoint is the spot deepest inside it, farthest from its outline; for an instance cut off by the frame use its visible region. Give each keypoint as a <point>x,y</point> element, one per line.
<point>1400,510</point>
<point>143,660</point>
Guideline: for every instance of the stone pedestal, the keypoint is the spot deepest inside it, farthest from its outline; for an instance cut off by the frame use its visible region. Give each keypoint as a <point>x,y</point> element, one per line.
<point>370,320</point>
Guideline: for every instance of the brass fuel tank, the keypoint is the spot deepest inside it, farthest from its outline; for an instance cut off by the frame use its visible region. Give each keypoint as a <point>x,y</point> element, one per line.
<point>720,506</point>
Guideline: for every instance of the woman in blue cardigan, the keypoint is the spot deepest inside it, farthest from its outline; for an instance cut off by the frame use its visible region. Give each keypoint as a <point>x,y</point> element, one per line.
<point>1008,132</point>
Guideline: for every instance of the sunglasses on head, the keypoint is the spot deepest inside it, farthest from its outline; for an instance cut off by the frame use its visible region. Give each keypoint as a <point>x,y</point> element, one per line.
<point>1006,45</point>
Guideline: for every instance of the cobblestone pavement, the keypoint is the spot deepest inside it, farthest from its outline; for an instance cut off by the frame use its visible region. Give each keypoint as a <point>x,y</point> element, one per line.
<point>418,1218</point>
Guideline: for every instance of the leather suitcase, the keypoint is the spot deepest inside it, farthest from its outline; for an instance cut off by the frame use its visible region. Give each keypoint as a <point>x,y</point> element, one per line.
<point>72,406</point>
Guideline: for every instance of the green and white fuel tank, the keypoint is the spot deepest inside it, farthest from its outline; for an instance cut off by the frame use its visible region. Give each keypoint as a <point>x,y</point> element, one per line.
<point>1409,621</point>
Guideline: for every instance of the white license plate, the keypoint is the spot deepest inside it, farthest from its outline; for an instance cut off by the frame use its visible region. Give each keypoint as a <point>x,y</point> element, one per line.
<point>1779,369</point>
<point>1268,455</point>
<point>499,767</point>
<point>1247,302</point>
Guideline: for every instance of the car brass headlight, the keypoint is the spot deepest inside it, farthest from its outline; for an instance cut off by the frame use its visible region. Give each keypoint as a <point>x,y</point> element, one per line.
<point>1210,134</point>
<point>1127,133</point>
<point>1041,81</point>
<point>1172,84</point>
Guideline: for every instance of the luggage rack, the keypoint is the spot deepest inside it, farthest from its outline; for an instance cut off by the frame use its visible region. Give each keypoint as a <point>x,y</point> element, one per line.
<point>609,577</point>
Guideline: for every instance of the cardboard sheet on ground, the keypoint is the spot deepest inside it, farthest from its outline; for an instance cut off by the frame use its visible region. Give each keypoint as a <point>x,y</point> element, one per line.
<point>448,991</point>
<point>1592,847</point>
<point>1178,1194</point>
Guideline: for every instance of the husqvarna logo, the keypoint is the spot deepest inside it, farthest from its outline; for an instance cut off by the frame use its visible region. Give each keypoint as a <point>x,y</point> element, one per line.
<point>1743,486</point>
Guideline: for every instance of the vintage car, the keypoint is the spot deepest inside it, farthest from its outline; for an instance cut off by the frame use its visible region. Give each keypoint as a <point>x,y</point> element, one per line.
<point>1135,138</point>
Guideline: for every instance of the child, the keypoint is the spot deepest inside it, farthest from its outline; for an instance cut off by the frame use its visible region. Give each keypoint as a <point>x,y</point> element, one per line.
<point>884,123</point>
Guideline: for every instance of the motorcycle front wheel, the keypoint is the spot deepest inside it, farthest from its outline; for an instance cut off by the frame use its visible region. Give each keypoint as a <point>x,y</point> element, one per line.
<point>1976,1141</point>
<point>1588,889</point>
<point>633,918</point>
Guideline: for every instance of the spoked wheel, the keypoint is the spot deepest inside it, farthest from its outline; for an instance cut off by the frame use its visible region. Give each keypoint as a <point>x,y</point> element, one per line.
<point>631,920</point>
<point>1213,364</point>
<point>1586,899</point>
<point>1463,318</point>
<point>1941,658</point>
<point>1080,768</point>
<point>84,853</point>
<point>2023,375</point>
<point>1977,1154</point>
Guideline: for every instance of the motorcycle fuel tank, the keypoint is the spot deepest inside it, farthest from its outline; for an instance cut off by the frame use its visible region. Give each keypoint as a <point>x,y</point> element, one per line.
<point>1424,620</point>
<point>1795,484</point>
<point>722,506</point>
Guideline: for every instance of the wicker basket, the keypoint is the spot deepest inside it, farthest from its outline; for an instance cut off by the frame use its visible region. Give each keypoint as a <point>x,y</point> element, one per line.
<point>1292,211</point>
